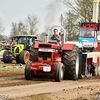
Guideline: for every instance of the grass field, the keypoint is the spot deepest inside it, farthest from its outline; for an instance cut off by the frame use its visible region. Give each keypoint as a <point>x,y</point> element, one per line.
<point>10,69</point>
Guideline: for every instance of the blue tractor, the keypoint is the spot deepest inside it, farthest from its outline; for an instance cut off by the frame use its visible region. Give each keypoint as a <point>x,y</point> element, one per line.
<point>87,36</point>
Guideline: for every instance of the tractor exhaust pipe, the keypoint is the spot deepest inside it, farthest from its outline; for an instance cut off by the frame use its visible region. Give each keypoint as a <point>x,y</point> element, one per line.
<point>46,40</point>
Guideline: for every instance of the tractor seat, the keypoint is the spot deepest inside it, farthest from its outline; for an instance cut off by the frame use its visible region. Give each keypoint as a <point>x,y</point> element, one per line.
<point>53,41</point>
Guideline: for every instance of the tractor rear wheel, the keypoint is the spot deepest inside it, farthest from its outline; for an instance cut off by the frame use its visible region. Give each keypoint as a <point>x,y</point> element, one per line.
<point>59,72</point>
<point>34,55</point>
<point>28,72</point>
<point>6,52</point>
<point>24,57</point>
<point>71,61</point>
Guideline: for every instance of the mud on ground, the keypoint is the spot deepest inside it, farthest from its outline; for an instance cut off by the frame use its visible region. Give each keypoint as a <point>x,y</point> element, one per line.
<point>17,78</point>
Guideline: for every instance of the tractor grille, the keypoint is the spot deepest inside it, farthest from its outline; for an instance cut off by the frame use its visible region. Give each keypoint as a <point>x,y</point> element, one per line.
<point>17,50</point>
<point>45,55</point>
<point>44,45</point>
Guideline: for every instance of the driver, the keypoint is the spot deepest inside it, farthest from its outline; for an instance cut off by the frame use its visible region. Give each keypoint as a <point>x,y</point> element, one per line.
<point>55,36</point>
<point>87,34</point>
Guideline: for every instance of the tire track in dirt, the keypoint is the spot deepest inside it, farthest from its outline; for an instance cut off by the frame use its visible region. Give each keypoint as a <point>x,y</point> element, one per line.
<point>49,87</point>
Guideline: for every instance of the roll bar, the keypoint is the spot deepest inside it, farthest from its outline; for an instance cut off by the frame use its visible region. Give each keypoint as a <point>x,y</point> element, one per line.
<point>57,26</point>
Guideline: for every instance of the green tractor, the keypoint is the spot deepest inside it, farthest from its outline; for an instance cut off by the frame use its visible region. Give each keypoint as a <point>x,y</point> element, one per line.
<point>20,51</point>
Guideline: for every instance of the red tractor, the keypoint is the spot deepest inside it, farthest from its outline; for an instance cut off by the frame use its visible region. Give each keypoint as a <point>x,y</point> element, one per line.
<point>53,59</point>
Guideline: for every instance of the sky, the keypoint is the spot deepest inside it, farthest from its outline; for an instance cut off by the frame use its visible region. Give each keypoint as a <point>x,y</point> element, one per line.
<point>48,12</point>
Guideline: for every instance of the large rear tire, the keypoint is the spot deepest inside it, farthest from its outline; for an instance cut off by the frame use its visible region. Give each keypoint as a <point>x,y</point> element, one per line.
<point>59,72</point>
<point>71,61</point>
<point>34,55</point>
<point>6,52</point>
<point>24,57</point>
<point>28,72</point>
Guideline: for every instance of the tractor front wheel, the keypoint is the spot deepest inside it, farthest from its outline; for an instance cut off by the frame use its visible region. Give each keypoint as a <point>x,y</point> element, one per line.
<point>6,52</point>
<point>24,57</point>
<point>28,72</point>
<point>59,72</point>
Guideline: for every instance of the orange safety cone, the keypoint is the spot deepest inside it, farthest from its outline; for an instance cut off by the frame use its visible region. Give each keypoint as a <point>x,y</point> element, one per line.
<point>13,65</point>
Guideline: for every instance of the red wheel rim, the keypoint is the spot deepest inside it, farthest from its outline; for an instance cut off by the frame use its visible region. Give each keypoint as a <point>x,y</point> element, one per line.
<point>27,57</point>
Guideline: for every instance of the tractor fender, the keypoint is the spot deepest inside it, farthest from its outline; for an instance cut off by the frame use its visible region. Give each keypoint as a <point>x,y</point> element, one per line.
<point>67,46</point>
<point>36,45</point>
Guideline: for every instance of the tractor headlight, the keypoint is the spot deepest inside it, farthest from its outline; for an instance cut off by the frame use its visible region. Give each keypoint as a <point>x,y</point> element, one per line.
<point>49,59</point>
<point>40,58</point>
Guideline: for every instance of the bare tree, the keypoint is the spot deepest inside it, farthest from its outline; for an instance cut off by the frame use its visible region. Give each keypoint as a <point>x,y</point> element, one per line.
<point>82,8</point>
<point>71,26</point>
<point>78,10</point>
<point>22,29</point>
<point>2,37</point>
<point>32,24</point>
<point>27,27</point>
<point>2,28</point>
<point>42,36</point>
<point>14,30</point>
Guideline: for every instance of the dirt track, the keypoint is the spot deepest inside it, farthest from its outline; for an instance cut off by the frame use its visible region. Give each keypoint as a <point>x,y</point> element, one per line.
<point>13,83</point>
<point>16,78</point>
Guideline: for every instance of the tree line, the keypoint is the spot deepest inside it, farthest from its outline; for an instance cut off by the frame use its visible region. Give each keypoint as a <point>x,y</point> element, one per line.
<point>78,10</point>
<point>28,26</point>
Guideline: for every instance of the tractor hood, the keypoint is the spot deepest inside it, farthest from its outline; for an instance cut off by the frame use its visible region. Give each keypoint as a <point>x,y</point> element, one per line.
<point>19,45</point>
<point>45,45</point>
<point>17,49</point>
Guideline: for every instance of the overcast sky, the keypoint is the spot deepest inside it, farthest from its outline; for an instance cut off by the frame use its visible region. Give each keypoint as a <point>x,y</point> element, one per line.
<point>47,11</point>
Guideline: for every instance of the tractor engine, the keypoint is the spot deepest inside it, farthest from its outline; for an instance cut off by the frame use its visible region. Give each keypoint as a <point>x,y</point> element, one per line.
<point>45,56</point>
<point>46,53</point>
